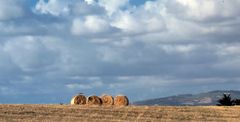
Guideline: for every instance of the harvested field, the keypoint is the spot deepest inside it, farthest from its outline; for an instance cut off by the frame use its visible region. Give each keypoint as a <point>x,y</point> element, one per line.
<point>75,113</point>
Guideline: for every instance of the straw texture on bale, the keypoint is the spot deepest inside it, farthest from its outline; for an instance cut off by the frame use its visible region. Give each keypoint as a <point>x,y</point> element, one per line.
<point>107,100</point>
<point>121,101</point>
<point>79,100</point>
<point>94,100</point>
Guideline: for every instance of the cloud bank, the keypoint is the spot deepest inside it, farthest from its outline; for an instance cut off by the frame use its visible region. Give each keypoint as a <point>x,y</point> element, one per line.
<point>57,48</point>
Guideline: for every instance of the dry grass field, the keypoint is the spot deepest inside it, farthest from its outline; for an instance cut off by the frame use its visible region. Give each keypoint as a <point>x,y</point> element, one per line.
<point>65,113</point>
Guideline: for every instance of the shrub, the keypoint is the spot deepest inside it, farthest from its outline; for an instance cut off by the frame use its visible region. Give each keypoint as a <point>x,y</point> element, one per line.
<point>226,100</point>
<point>237,102</point>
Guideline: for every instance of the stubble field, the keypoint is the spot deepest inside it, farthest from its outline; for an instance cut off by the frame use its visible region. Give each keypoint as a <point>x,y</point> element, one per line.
<point>66,113</point>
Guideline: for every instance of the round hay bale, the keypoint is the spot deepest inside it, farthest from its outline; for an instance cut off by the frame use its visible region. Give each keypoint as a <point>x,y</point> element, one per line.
<point>121,100</point>
<point>107,100</point>
<point>78,100</point>
<point>94,100</point>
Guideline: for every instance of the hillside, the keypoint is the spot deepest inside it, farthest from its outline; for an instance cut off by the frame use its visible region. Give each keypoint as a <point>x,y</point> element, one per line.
<point>68,113</point>
<point>208,98</point>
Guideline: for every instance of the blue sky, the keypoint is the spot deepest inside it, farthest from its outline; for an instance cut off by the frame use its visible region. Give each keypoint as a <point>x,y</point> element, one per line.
<point>138,2</point>
<point>52,50</point>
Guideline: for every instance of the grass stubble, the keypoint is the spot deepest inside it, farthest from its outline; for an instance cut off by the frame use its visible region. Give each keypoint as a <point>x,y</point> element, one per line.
<point>63,113</point>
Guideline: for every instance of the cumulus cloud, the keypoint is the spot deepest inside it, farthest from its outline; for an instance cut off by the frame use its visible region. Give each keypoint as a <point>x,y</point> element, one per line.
<point>113,5</point>
<point>90,25</point>
<point>109,46</point>
<point>131,22</point>
<point>89,7</point>
<point>54,7</point>
<point>10,9</point>
<point>214,10</point>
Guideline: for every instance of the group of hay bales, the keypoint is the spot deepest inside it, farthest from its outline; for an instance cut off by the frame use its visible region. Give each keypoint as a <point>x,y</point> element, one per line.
<point>105,100</point>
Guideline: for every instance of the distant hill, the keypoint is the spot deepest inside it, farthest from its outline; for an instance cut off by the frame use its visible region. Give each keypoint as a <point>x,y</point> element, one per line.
<point>208,98</point>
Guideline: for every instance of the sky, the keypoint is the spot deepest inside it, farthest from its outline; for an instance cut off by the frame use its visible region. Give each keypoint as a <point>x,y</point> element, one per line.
<point>51,50</point>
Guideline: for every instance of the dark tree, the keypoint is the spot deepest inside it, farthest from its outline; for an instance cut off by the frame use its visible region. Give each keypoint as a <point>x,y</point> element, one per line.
<point>226,100</point>
<point>237,101</point>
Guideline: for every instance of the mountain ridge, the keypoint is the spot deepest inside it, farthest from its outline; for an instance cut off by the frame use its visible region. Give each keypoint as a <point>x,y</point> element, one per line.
<point>205,99</point>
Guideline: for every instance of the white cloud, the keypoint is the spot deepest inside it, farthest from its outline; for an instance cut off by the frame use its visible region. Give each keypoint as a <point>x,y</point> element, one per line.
<point>209,10</point>
<point>89,7</point>
<point>54,7</point>
<point>185,49</point>
<point>10,9</point>
<point>127,23</point>
<point>113,5</point>
<point>132,23</point>
<point>96,24</point>
<point>228,49</point>
<point>90,25</point>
